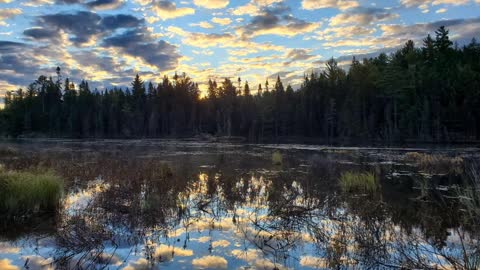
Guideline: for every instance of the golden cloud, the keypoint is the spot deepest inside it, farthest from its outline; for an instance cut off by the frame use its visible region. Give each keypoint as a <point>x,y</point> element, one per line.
<point>140,264</point>
<point>222,21</point>
<point>210,262</point>
<point>313,262</point>
<point>319,4</point>
<point>166,253</point>
<point>8,13</point>
<point>6,264</point>
<point>211,4</point>
<point>220,243</point>
<point>169,10</point>
<point>203,24</point>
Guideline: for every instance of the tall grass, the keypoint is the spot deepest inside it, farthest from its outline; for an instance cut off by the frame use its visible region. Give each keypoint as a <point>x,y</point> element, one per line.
<point>277,158</point>
<point>28,192</point>
<point>469,196</point>
<point>358,182</point>
<point>431,162</point>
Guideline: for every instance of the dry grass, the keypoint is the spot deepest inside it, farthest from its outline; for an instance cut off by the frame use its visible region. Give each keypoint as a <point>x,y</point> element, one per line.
<point>436,163</point>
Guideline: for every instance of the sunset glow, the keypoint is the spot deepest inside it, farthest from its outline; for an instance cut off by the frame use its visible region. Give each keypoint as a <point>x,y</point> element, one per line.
<point>107,41</point>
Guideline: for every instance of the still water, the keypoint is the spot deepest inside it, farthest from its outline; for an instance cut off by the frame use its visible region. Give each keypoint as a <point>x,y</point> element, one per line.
<point>190,205</point>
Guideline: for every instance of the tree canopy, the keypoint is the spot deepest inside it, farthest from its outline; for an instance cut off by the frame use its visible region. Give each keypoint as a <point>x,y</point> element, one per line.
<point>429,93</point>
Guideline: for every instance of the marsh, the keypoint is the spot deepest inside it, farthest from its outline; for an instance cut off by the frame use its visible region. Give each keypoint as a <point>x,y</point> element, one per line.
<point>159,204</point>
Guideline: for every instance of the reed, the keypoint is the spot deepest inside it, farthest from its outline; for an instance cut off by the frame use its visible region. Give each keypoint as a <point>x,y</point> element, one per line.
<point>28,192</point>
<point>277,158</point>
<point>433,162</point>
<point>358,182</point>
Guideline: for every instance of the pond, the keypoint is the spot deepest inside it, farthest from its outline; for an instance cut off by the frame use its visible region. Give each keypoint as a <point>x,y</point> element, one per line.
<point>159,204</point>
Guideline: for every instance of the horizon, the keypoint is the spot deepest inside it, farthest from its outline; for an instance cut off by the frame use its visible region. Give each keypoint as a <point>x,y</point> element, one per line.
<point>107,42</point>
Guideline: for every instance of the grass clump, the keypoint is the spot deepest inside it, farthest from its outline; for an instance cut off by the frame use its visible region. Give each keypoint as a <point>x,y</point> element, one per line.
<point>7,151</point>
<point>29,192</point>
<point>277,158</point>
<point>440,163</point>
<point>358,182</point>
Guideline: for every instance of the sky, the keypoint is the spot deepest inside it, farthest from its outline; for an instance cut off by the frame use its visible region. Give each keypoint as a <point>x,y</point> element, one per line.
<point>107,42</point>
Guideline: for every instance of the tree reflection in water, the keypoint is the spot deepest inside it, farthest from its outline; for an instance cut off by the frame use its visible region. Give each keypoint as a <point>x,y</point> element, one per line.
<point>238,210</point>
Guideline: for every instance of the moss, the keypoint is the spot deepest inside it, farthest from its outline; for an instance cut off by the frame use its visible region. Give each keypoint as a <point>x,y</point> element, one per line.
<point>355,181</point>
<point>27,192</point>
<point>277,158</point>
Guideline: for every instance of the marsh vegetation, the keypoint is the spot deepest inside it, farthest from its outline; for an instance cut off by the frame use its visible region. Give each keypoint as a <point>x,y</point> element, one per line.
<point>23,193</point>
<point>172,205</point>
<point>358,182</point>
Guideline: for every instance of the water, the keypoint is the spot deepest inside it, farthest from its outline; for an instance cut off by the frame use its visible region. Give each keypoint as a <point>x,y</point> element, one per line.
<point>189,205</point>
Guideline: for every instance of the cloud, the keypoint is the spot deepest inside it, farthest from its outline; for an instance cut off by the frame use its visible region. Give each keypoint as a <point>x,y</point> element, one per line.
<point>363,16</point>
<point>93,4</point>
<point>395,35</point>
<point>6,247</point>
<point>211,4</point>
<point>113,56</point>
<point>68,2</point>
<point>442,10</point>
<point>39,33</point>
<point>6,264</point>
<point>99,63</point>
<point>220,243</point>
<point>274,21</point>
<point>82,26</point>
<point>252,256</point>
<point>222,21</point>
<point>203,24</point>
<point>8,13</point>
<point>423,4</point>
<point>165,10</point>
<point>140,264</point>
<point>120,21</point>
<point>37,3</point>
<point>38,263</point>
<point>12,61</point>
<point>319,4</point>
<point>460,29</point>
<point>344,32</point>
<point>105,4</point>
<point>313,262</point>
<point>166,253</point>
<point>298,55</point>
<point>9,45</point>
<point>224,40</point>
<point>253,7</point>
<point>210,262</point>
<point>204,239</point>
<point>139,43</point>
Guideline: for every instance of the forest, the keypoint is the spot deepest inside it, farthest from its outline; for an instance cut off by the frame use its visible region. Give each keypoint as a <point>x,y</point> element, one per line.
<point>415,94</point>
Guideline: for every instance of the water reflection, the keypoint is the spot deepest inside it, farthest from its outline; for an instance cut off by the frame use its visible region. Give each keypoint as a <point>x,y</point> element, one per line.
<point>134,209</point>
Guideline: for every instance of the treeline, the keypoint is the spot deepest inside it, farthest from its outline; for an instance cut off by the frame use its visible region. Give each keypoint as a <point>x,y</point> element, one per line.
<point>429,94</point>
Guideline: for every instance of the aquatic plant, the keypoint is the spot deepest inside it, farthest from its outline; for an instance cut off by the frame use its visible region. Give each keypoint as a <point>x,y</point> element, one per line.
<point>26,192</point>
<point>358,181</point>
<point>277,158</point>
<point>7,151</point>
<point>436,162</point>
<point>469,197</point>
